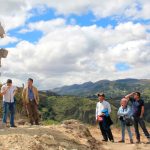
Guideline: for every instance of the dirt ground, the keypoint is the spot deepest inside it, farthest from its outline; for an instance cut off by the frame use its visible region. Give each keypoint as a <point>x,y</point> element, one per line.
<point>70,135</point>
<point>117,136</point>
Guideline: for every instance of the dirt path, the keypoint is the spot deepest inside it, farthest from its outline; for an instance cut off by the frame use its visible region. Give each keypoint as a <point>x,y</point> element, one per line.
<point>120,146</point>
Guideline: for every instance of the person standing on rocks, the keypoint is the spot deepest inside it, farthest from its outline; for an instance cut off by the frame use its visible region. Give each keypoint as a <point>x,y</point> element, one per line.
<point>138,113</point>
<point>8,91</point>
<point>31,100</point>
<point>103,110</point>
<point>125,112</point>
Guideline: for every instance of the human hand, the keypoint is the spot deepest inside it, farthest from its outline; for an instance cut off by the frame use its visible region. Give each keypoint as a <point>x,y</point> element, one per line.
<point>8,87</point>
<point>103,114</point>
<point>141,116</point>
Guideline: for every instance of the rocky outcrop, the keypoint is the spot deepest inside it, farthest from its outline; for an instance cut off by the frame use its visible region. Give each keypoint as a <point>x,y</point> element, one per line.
<point>70,135</point>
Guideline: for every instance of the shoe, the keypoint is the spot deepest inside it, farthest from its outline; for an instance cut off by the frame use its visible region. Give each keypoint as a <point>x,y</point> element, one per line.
<point>31,123</point>
<point>14,126</point>
<point>112,141</point>
<point>121,141</point>
<point>37,123</point>
<point>138,141</point>
<point>148,140</point>
<point>4,125</point>
<point>131,141</point>
<point>104,140</point>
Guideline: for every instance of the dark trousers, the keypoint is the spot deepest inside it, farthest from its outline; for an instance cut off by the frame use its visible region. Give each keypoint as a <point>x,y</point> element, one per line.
<point>106,131</point>
<point>140,121</point>
<point>33,112</point>
<point>8,106</point>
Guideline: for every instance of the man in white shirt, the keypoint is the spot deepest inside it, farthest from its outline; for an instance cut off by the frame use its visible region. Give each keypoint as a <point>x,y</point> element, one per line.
<point>103,110</point>
<point>8,91</point>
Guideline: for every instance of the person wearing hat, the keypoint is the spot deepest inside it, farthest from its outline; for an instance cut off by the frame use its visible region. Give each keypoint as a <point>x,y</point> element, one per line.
<point>31,100</point>
<point>8,91</point>
<point>103,110</point>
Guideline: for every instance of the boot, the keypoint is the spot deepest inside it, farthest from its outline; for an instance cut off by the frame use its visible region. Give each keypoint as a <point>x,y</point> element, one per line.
<point>121,141</point>
<point>138,141</point>
<point>148,138</point>
<point>131,141</point>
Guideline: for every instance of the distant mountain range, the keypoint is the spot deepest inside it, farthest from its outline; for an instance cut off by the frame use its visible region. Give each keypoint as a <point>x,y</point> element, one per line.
<point>111,88</point>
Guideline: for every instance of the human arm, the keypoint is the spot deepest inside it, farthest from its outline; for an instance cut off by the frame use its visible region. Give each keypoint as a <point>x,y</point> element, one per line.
<point>142,112</point>
<point>96,112</point>
<point>124,113</point>
<point>109,108</point>
<point>23,96</point>
<point>36,96</point>
<point>4,90</point>
<point>129,95</point>
<point>15,91</point>
<point>142,109</point>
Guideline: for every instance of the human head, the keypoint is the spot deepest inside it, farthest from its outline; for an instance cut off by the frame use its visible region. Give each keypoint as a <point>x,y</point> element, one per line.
<point>9,82</point>
<point>101,96</point>
<point>137,95</point>
<point>30,82</point>
<point>124,102</point>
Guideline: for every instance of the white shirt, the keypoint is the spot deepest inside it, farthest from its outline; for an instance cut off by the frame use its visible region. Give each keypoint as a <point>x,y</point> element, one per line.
<point>101,106</point>
<point>9,95</point>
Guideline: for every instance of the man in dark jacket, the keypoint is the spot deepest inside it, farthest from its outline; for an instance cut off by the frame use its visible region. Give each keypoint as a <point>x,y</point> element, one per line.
<point>138,113</point>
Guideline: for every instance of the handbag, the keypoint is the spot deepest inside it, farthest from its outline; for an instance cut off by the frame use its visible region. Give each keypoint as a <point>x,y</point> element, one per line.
<point>128,121</point>
<point>100,118</point>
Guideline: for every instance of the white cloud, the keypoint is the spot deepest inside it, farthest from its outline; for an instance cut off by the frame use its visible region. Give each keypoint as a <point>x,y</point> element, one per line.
<point>8,40</point>
<point>100,8</point>
<point>14,14</point>
<point>69,54</point>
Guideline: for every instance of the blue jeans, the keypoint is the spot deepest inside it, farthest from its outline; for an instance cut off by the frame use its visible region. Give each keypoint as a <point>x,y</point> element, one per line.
<point>10,106</point>
<point>123,126</point>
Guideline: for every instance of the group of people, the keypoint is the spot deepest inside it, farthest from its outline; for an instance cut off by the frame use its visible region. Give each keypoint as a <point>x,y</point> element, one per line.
<point>30,99</point>
<point>128,116</point>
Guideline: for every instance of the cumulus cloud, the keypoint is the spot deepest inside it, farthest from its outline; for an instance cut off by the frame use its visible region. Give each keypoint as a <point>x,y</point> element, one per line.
<point>131,9</point>
<point>68,54</point>
<point>14,14</point>
<point>8,40</point>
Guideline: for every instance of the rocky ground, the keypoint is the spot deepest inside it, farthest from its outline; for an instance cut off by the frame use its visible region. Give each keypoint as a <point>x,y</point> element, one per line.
<point>117,136</point>
<point>70,135</point>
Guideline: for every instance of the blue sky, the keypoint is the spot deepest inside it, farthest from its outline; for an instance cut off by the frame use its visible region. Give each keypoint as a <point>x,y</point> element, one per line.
<point>96,39</point>
<point>87,19</point>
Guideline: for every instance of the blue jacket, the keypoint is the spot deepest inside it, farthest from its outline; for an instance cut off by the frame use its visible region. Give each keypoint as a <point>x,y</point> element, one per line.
<point>105,111</point>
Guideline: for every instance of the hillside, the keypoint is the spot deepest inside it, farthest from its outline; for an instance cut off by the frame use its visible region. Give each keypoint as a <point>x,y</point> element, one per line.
<point>111,88</point>
<point>54,107</point>
<point>114,91</point>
